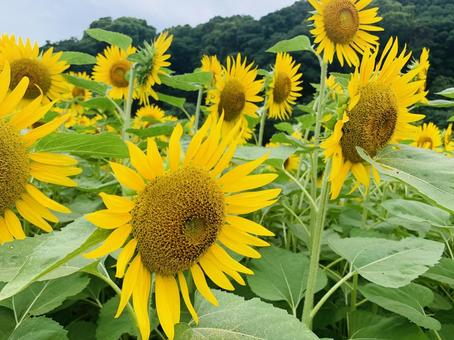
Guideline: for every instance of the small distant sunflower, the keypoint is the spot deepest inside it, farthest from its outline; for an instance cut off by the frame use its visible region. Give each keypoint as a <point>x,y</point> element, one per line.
<point>19,164</point>
<point>213,65</point>
<point>428,137</point>
<point>112,68</point>
<point>334,87</point>
<point>154,60</point>
<point>341,28</point>
<point>377,114</point>
<point>147,113</point>
<point>74,96</point>
<point>42,69</point>
<point>284,88</point>
<point>180,222</point>
<point>235,95</point>
<point>449,144</point>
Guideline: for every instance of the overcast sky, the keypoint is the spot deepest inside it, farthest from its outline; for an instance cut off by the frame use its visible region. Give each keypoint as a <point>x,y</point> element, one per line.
<point>60,19</point>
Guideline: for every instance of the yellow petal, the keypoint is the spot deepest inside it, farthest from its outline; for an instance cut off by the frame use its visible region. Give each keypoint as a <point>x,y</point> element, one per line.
<point>250,182</point>
<point>5,235</point>
<point>140,161</point>
<point>124,257</point>
<point>141,298</point>
<point>117,203</point>
<point>201,284</point>
<point>14,97</point>
<point>31,216</point>
<point>214,273</point>
<point>128,284</point>
<point>52,159</point>
<point>13,224</point>
<point>187,300</point>
<point>31,137</point>
<point>107,219</point>
<point>128,177</point>
<point>154,157</point>
<point>222,256</point>
<point>167,303</point>
<point>248,226</point>
<point>241,171</point>
<point>112,243</point>
<point>237,247</point>
<point>175,148</point>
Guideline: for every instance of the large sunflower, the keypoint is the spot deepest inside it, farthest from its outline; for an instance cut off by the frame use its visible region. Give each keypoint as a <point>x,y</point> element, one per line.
<point>19,164</point>
<point>377,114</point>
<point>42,69</point>
<point>340,27</point>
<point>112,68</point>
<point>150,71</point>
<point>180,221</point>
<point>235,95</point>
<point>284,88</point>
<point>428,137</point>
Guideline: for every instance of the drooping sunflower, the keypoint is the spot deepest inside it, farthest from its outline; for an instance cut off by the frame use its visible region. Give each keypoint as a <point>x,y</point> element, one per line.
<point>449,144</point>
<point>154,60</point>
<point>19,164</point>
<point>234,97</point>
<point>43,69</point>
<point>181,221</point>
<point>377,114</point>
<point>284,88</point>
<point>428,137</point>
<point>150,112</point>
<point>341,27</point>
<point>112,67</point>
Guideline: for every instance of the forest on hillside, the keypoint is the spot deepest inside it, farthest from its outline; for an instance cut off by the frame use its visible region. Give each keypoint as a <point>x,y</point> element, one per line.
<point>418,23</point>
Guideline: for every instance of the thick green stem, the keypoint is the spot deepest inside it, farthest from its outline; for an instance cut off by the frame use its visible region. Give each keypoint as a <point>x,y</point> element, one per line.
<point>197,111</point>
<point>127,106</point>
<point>262,125</point>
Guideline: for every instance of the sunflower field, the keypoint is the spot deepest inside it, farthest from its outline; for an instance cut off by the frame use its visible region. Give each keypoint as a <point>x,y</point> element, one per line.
<point>140,203</point>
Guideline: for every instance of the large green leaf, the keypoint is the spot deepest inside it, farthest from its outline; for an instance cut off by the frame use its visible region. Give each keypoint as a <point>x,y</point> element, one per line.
<point>99,103</point>
<point>88,84</point>
<point>172,100</point>
<point>427,171</point>
<point>43,297</point>
<point>40,328</point>
<point>26,261</point>
<point>189,81</point>
<point>298,43</point>
<point>154,130</point>
<point>408,301</point>
<point>103,145</point>
<point>7,323</point>
<point>448,93</point>
<point>276,156</point>
<point>110,328</point>
<point>440,103</point>
<point>78,58</point>
<point>236,318</point>
<point>417,212</point>
<point>442,272</point>
<point>282,275</point>
<point>389,263</point>
<point>80,329</point>
<point>113,38</point>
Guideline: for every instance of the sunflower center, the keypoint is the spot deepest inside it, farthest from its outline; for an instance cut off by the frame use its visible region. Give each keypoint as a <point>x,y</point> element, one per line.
<point>371,123</point>
<point>233,100</point>
<point>39,76</point>
<point>341,21</point>
<point>78,92</point>
<point>425,142</point>
<point>14,166</point>
<point>118,73</point>
<point>282,87</point>
<point>176,219</point>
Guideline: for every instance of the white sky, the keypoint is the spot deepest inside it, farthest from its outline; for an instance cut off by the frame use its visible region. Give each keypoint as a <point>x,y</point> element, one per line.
<point>54,20</point>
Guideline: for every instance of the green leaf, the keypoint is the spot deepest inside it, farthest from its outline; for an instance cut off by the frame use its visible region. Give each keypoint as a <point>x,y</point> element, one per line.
<point>236,318</point>
<point>417,212</point>
<point>159,129</point>
<point>7,323</point>
<point>43,297</point>
<point>282,275</point>
<point>442,272</point>
<point>104,145</point>
<point>40,328</point>
<point>276,156</point>
<point>88,84</point>
<point>386,262</point>
<point>448,93</point>
<point>171,100</point>
<point>408,301</point>
<point>99,103</point>
<point>189,81</point>
<point>440,103</point>
<point>114,38</point>
<point>298,43</point>
<point>78,58</point>
<point>411,166</point>
<point>26,261</point>
<point>79,329</point>
<point>110,328</point>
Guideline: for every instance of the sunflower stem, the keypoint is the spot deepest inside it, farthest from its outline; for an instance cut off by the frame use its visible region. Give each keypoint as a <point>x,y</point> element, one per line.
<point>262,124</point>
<point>128,106</point>
<point>197,110</point>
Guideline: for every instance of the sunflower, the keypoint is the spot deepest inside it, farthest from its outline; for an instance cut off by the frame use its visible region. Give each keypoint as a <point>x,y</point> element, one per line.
<point>377,114</point>
<point>154,63</point>
<point>423,64</point>
<point>284,88</point>
<point>334,87</point>
<point>428,137</point>
<point>235,95</point>
<point>74,96</point>
<point>147,113</point>
<point>181,220</point>
<point>211,64</point>
<point>42,69</point>
<point>19,163</point>
<point>340,27</point>
<point>449,144</point>
<point>112,68</point>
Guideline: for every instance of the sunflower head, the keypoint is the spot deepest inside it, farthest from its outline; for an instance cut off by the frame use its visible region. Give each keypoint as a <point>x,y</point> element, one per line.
<point>377,114</point>
<point>284,88</point>
<point>181,221</point>
<point>147,114</point>
<point>428,137</point>
<point>211,64</point>
<point>43,69</point>
<point>340,27</point>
